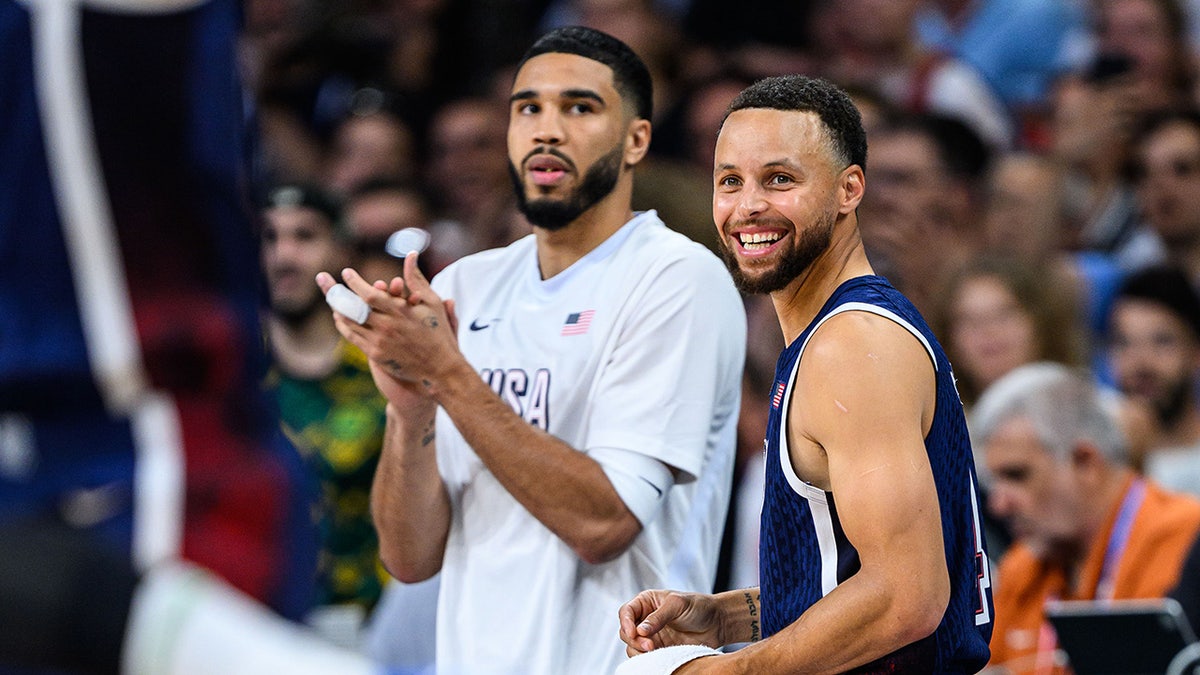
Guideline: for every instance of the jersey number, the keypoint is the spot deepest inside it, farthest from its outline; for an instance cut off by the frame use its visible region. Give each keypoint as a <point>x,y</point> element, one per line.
<point>983,572</point>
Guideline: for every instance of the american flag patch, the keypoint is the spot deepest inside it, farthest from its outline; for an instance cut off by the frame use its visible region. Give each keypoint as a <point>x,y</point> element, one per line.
<point>778,397</point>
<point>578,323</point>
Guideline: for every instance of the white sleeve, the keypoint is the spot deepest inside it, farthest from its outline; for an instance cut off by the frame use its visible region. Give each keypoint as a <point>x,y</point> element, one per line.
<point>641,481</point>
<point>673,378</point>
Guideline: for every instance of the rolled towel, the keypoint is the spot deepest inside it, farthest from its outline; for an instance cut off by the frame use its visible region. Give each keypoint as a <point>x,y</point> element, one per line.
<point>663,661</point>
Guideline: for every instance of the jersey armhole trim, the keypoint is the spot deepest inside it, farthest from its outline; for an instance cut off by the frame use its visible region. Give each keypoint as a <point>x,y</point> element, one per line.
<point>799,485</point>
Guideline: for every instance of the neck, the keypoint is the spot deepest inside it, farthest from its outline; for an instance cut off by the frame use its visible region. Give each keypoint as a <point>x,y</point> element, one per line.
<point>307,348</point>
<point>559,249</point>
<point>1185,431</point>
<point>797,303</point>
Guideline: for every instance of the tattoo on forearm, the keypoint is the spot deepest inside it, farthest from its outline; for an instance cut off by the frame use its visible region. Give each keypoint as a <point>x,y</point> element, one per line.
<point>429,434</point>
<point>752,608</point>
<point>394,367</point>
<point>430,321</point>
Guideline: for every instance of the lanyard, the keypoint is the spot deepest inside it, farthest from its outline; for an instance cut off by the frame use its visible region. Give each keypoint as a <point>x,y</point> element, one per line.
<point>1106,587</point>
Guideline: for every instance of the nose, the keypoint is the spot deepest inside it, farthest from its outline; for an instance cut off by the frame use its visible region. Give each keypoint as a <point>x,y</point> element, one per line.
<point>751,202</point>
<point>548,129</point>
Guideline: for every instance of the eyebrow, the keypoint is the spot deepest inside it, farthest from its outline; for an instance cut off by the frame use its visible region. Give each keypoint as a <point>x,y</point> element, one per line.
<point>526,94</point>
<point>786,163</point>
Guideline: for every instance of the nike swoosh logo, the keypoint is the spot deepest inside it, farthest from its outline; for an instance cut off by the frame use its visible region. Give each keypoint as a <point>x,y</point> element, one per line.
<point>475,325</point>
<point>656,488</point>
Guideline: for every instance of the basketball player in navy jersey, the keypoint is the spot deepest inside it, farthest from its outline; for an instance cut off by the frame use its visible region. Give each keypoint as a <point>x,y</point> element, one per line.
<point>870,554</point>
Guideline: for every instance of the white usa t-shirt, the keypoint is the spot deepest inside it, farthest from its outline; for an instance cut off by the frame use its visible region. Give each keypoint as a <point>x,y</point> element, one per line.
<point>637,346</point>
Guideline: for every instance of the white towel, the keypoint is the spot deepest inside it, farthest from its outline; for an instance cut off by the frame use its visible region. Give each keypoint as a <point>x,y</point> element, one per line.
<point>663,661</point>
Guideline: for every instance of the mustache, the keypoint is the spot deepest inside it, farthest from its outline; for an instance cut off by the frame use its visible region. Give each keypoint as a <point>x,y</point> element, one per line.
<point>547,150</point>
<point>284,270</point>
<point>779,222</point>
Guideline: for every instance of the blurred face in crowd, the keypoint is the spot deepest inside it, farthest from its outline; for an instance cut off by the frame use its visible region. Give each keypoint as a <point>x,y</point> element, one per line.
<point>1140,30</point>
<point>374,216</point>
<point>1023,214</point>
<point>297,243</point>
<point>1154,356</point>
<point>466,152</point>
<point>369,146</point>
<point>1039,497</point>
<point>704,114</point>
<point>1168,182</point>
<point>906,203</point>
<point>568,137</point>
<point>777,194</point>
<point>990,332</point>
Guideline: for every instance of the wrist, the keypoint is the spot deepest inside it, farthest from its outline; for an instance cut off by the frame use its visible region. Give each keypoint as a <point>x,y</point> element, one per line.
<point>447,382</point>
<point>414,420</point>
<point>741,619</point>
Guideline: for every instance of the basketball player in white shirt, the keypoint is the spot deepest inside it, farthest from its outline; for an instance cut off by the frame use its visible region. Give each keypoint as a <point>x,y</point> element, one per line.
<point>562,427</point>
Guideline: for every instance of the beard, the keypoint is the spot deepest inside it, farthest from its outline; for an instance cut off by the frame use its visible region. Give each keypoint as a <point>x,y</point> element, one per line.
<point>1171,407</point>
<point>555,214</point>
<point>296,311</point>
<point>794,259</point>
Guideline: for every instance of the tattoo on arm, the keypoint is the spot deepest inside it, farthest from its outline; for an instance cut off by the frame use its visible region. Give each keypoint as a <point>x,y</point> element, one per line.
<point>428,434</point>
<point>752,608</point>
<point>430,321</point>
<point>394,367</point>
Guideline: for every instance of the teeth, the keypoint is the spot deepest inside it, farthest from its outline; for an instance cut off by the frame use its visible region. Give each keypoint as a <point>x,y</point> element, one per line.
<point>758,240</point>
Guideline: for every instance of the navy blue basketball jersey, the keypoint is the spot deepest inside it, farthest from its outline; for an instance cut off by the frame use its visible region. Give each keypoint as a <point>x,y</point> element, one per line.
<point>804,554</point>
<point>130,351</point>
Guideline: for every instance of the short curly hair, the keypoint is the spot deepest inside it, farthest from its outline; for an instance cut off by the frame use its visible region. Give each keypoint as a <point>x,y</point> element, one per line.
<point>631,77</point>
<point>808,94</point>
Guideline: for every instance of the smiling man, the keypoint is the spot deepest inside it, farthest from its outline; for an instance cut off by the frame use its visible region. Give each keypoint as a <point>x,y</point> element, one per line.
<point>571,441</point>
<point>871,557</point>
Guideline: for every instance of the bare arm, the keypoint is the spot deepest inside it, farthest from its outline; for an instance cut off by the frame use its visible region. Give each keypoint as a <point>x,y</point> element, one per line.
<point>409,504</point>
<point>870,428</point>
<point>564,489</point>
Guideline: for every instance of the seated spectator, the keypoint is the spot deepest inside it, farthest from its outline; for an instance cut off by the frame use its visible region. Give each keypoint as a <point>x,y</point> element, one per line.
<point>381,207</point>
<point>1087,526</point>
<point>1141,65</point>
<point>1154,354</point>
<point>997,313</point>
<point>371,141</point>
<point>468,173</point>
<point>926,174</point>
<point>1165,172</point>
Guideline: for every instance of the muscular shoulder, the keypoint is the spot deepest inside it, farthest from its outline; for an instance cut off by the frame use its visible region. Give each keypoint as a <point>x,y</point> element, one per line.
<point>869,346</point>
<point>860,368</point>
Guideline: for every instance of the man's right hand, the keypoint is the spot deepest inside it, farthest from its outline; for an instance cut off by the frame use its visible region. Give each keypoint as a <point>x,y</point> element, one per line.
<point>656,619</point>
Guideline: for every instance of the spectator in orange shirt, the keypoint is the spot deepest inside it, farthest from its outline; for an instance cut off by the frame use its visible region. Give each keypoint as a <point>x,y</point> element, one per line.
<point>1086,526</point>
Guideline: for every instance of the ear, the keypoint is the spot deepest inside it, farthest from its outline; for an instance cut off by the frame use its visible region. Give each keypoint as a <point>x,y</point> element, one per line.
<point>1087,460</point>
<point>851,185</point>
<point>637,141</point>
